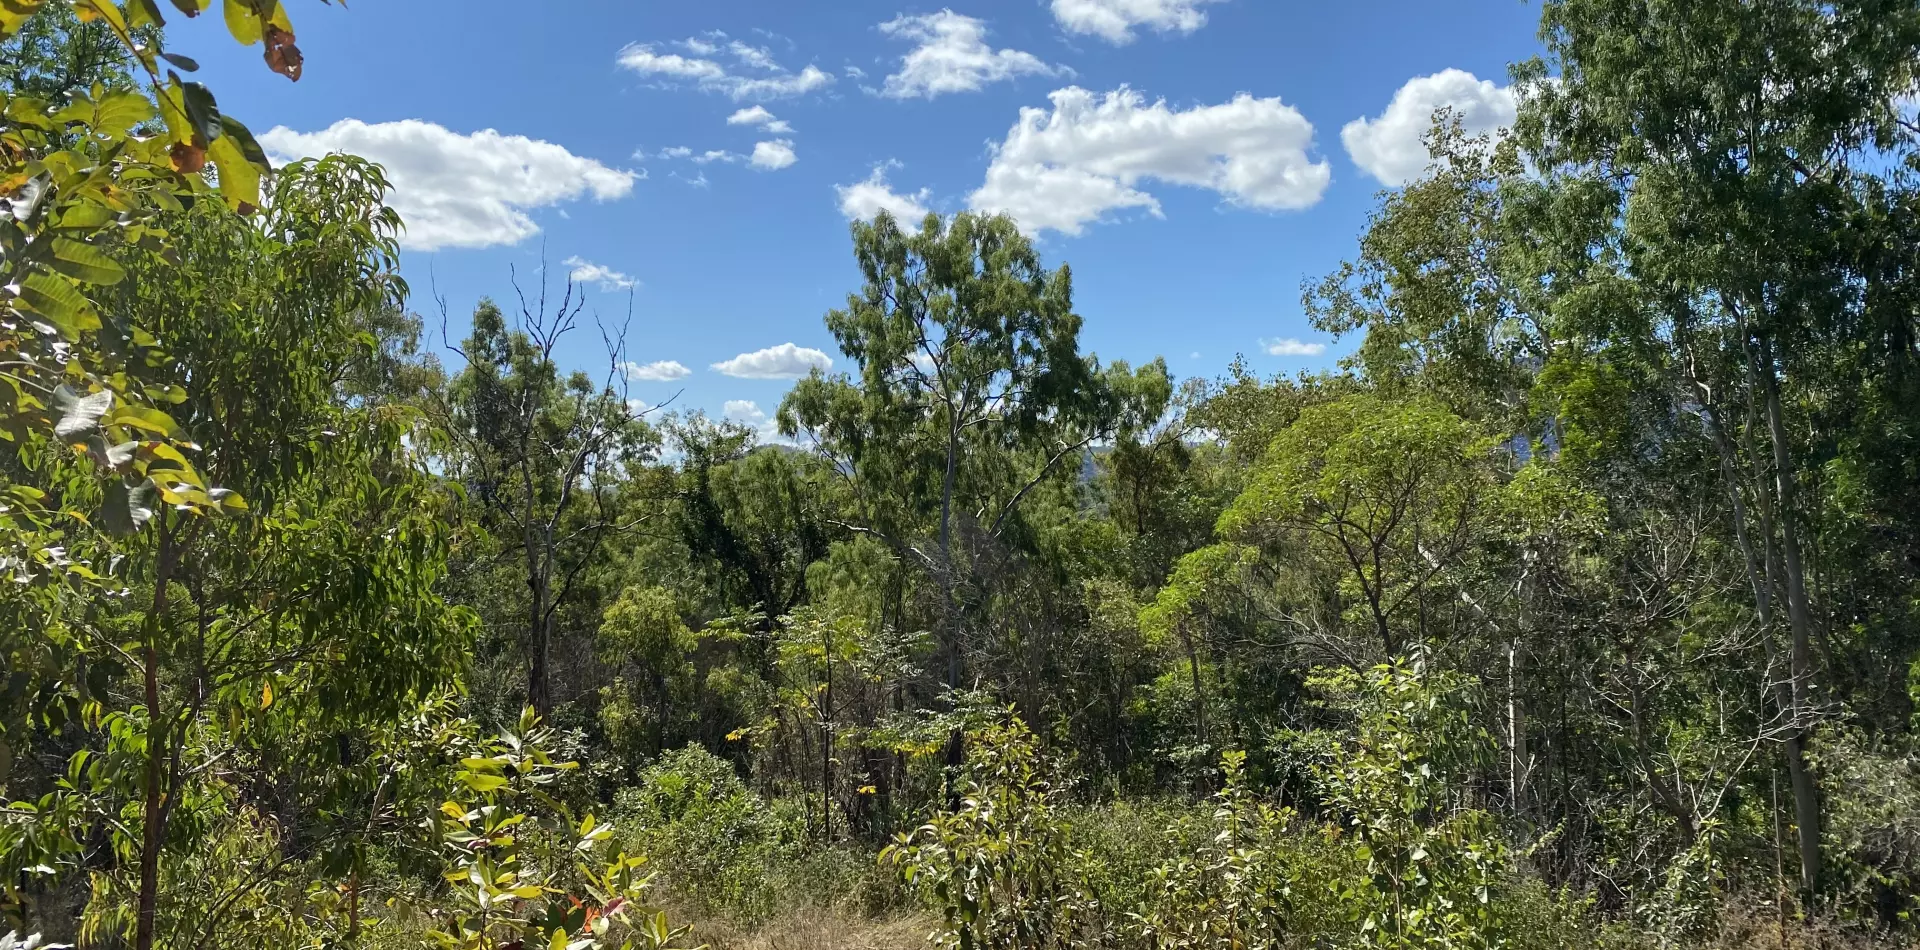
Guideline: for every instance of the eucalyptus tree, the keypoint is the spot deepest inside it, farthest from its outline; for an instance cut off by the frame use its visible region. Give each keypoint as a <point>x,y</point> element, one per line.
<point>1750,178</point>
<point>970,391</point>
<point>309,612</point>
<point>543,455</point>
<point>755,516</point>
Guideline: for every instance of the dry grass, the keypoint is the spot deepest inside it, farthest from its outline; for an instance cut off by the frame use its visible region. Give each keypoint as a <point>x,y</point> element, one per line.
<point>1756,928</point>
<point>817,928</point>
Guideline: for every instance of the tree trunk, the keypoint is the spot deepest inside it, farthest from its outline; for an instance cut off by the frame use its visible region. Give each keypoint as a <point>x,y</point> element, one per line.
<point>153,823</point>
<point>1806,791</point>
<point>1759,570</point>
<point>1199,694</point>
<point>1518,761</point>
<point>538,628</point>
<point>949,620</point>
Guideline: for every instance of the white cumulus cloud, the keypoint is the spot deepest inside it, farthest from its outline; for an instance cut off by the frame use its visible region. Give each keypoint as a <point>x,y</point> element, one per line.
<point>759,116</point>
<point>1114,20</point>
<point>764,77</point>
<point>1391,146</point>
<point>1065,168</point>
<point>659,371</point>
<point>587,272</point>
<point>774,155</point>
<point>458,190</point>
<point>1292,347</point>
<point>785,361</point>
<point>862,200</point>
<point>952,55</point>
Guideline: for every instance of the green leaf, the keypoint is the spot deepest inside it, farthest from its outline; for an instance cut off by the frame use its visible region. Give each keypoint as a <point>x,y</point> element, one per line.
<point>84,217</point>
<point>203,114</point>
<point>239,178</point>
<point>84,262</point>
<point>250,149</point>
<point>187,63</point>
<point>14,14</point>
<point>482,783</point>
<point>126,510</point>
<point>173,110</point>
<point>242,21</point>
<point>57,299</point>
<point>144,417</point>
<point>115,115</point>
<point>144,13</point>
<point>90,10</point>
<point>191,8</point>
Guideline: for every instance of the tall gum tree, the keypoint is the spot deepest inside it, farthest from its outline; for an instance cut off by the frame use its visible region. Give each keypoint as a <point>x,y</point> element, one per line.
<point>1740,174</point>
<point>970,392</point>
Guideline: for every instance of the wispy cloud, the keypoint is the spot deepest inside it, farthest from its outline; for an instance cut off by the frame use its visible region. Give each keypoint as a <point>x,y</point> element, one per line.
<point>752,74</point>
<point>1288,346</point>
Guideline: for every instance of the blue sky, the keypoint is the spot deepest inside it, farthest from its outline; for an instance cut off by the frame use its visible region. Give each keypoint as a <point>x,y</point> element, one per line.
<point>1187,157</point>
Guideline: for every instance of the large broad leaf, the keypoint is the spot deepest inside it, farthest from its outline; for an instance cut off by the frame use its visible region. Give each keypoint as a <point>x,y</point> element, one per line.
<point>239,178</point>
<point>202,112</point>
<point>76,416</point>
<point>173,109</point>
<point>242,137</point>
<point>91,10</point>
<point>145,13</point>
<point>14,14</point>
<point>126,510</point>
<point>85,262</point>
<point>282,56</point>
<point>116,113</point>
<point>56,298</point>
<point>144,417</point>
<point>242,21</point>
<point>481,782</point>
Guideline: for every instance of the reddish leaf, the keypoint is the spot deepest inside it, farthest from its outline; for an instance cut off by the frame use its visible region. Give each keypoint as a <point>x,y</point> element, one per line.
<point>188,159</point>
<point>282,56</point>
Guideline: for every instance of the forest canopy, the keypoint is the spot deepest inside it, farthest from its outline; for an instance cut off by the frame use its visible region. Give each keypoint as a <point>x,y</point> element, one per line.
<point>1580,606</point>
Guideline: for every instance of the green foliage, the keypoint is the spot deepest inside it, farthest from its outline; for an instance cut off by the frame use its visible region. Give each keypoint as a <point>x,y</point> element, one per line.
<point>997,867</point>
<point>1435,865</point>
<point>1238,885</point>
<point>719,845</point>
<point>1624,460</point>
<point>523,869</point>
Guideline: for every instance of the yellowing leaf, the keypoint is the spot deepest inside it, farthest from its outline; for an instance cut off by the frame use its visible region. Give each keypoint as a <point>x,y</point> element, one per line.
<point>14,14</point>
<point>103,10</point>
<point>482,783</point>
<point>266,694</point>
